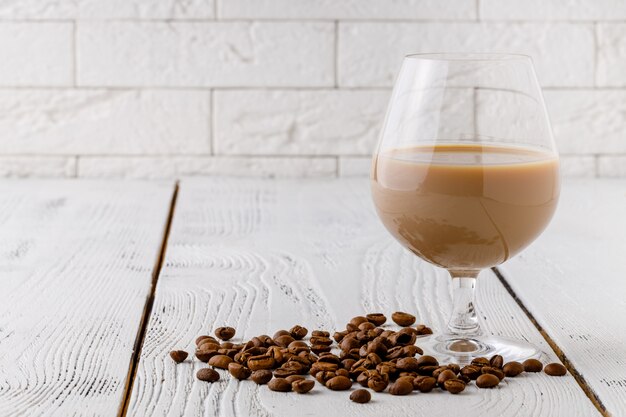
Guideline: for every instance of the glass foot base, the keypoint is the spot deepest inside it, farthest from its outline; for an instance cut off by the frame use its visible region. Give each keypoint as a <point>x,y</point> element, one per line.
<point>461,350</point>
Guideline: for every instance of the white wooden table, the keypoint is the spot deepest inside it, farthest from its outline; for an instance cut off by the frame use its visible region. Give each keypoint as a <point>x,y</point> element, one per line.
<point>100,280</point>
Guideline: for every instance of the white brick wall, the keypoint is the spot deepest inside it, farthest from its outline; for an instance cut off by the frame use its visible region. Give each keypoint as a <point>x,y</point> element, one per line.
<point>165,88</point>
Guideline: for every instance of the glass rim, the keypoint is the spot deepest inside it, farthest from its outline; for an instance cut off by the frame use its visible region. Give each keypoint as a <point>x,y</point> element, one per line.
<point>468,56</point>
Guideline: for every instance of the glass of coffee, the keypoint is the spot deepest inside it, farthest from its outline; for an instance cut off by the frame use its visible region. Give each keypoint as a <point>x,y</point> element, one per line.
<point>465,176</point>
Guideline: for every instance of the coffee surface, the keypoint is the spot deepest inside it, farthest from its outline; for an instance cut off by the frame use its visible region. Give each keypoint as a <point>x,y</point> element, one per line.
<point>465,206</point>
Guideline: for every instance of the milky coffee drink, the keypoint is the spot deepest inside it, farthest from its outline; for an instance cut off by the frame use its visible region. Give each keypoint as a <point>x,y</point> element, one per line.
<point>465,206</point>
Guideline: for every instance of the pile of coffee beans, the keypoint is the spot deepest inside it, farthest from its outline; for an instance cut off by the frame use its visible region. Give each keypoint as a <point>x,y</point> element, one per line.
<point>366,354</point>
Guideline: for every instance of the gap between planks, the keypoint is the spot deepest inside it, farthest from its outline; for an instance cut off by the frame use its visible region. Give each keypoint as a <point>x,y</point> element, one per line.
<point>557,350</point>
<point>147,311</point>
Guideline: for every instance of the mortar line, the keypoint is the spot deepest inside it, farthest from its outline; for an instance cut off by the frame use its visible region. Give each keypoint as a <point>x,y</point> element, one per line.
<point>74,57</point>
<point>596,50</point>
<point>143,327</point>
<point>336,52</point>
<point>593,397</point>
<point>212,122</point>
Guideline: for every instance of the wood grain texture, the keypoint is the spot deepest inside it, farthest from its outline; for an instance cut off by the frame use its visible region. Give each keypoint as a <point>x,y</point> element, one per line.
<point>76,264</point>
<point>573,281</point>
<point>263,255</point>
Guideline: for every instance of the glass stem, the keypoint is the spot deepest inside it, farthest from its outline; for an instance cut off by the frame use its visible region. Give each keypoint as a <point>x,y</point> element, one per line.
<point>464,320</point>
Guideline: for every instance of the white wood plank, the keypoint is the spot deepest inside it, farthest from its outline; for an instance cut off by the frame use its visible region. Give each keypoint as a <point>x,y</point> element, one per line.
<point>264,255</point>
<point>76,262</point>
<point>573,280</point>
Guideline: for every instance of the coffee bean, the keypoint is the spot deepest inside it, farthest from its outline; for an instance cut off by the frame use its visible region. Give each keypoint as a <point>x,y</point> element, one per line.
<point>239,371</point>
<point>262,376</point>
<point>513,369</point>
<point>407,364</point>
<point>412,350</point>
<point>205,338</point>
<point>454,367</point>
<point>496,361</point>
<point>298,332</point>
<point>293,378</point>
<point>298,346</point>
<point>329,357</point>
<point>323,366</point>
<point>401,387</point>
<point>377,382</point>
<point>471,372</point>
<point>209,345</point>
<point>555,369</point>
<point>320,333</point>
<point>427,360</point>
<point>261,362</point>
<point>532,365</point>
<point>427,370</point>
<point>493,371</point>
<point>338,336</point>
<point>324,376</point>
<point>403,319</point>
<point>454,386</point>
<point>279,384</point>
<point>404,337</point>
<point>361,396</point>
<point>342,372</point>
<point>444,376</point>
<point>439,370</point>
<point>289,369</point>
<point>220,361</point>
<point>347,363</point>
<point>283,340</point>
<point>280,333</point>
<point>178,355</point>
<point>377,347</point>
<point>208,375</point>
<point>320,348</point>
<point>274,352</point>
<point>339,383</point>
<point>487,381</point>
<point>355,321</point>
<point>422,330</point>
<point>349,343</point>
<point>317,340</point>
<point>224,333</point>
<point>366,326</point>
<point>480,362</point>
<point>205,355</point>
<point>378,319</point>
<point>424,383</point>
<point>303,386</point>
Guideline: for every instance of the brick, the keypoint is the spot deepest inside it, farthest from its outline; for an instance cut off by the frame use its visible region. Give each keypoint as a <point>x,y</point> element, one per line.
<point>347,9</point>
<point>176,167</point>
<point>575,166</point>
<point>563,53</point>
<point>104,121</point>
<point>37,166</point>
<point>109,9</point>
<point>287,122</point>
<point>585,10</point>
<point>36,54</point>
<point>612,166</point>
<point>588,121</point>
<point>354,166</point>
<point>219,54</point>
<point>611,55</point>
